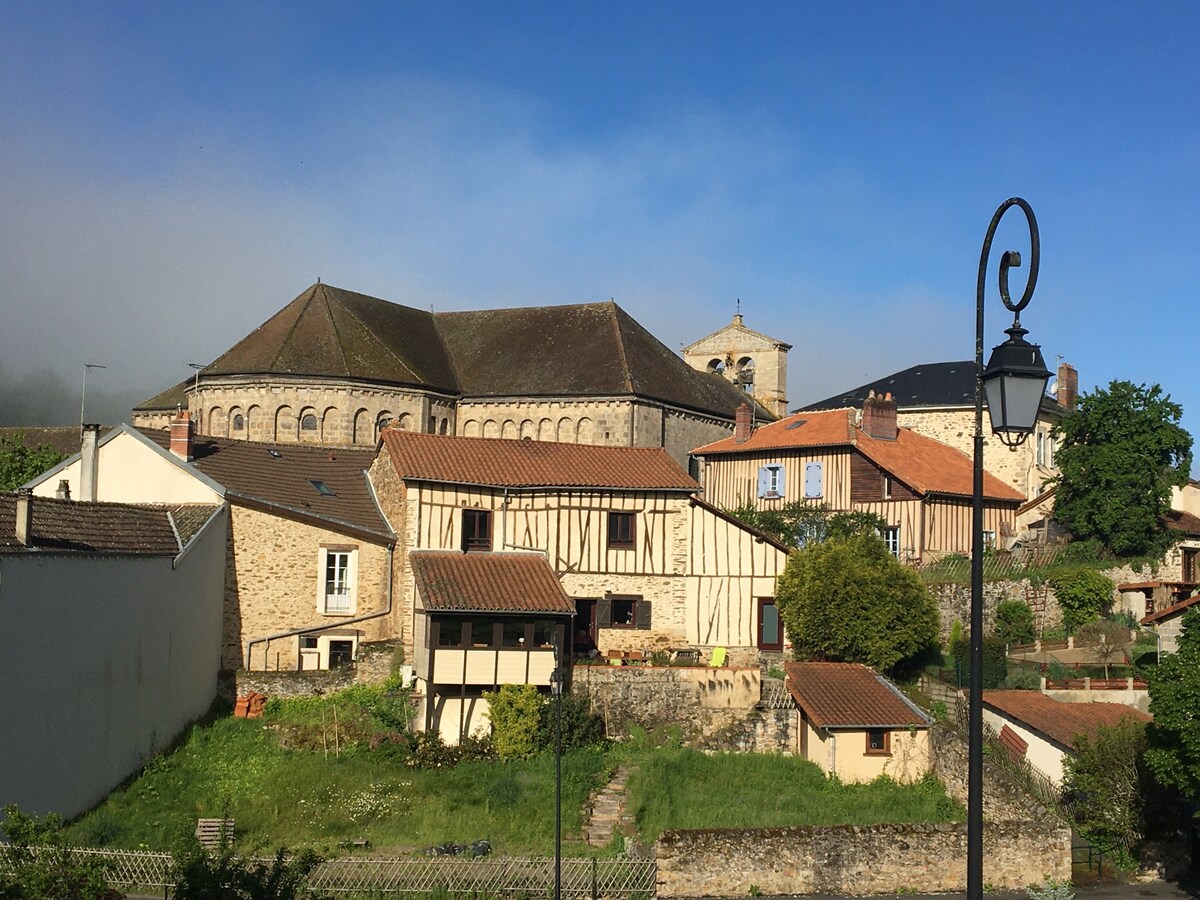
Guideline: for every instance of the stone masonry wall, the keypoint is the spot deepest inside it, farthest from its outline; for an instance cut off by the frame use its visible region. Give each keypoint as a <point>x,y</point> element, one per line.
<point>699,700</point>
<point>845,859</point>
<point>271,586</point>
<point>954,603</point>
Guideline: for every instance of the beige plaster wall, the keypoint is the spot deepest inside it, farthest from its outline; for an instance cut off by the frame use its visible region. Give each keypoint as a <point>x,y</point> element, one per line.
<point>272,582</point>
<point>1044,756</point>
<point>129,471</point>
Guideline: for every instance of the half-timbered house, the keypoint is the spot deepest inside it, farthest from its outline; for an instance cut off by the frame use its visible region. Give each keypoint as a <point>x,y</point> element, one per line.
<point>851,460</point>
<point>511,548</point>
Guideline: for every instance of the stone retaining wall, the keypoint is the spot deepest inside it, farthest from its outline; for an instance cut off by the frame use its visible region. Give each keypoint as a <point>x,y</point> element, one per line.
<point>857,860</point>
<point>698,699</point>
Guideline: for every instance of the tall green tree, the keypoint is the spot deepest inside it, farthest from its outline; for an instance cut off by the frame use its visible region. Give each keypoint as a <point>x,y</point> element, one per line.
<point>1173,752</point>
<point>19,463</point>
<point>1120,454</point>
<point>1105,787</point>
<point>849,599</point>
<point>798,523</point>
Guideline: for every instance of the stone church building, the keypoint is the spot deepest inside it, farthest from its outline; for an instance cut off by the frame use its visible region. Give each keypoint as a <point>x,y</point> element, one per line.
<point>333,367</point>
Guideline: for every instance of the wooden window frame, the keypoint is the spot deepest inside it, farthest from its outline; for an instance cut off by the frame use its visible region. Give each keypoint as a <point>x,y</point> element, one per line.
<point>622,530</point>
<point>633,611</point>
<point>887,742</point>
<point>472,541</point>
<point>776,647</point>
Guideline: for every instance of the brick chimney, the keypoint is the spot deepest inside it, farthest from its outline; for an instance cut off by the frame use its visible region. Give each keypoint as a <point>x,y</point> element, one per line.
<point>24,517</point>
<point>879,417</point>
<point>182,436</point>
<point>89,457</point>
<point>743,424</point>
<point>1068,386</point>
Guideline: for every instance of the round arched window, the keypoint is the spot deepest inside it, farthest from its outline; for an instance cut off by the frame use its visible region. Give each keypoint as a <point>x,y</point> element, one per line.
<point>308,423</point>
<point>239,422</point>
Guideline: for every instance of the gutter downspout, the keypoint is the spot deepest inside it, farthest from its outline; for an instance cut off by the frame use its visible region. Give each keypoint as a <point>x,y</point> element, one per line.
<point>309,629</point>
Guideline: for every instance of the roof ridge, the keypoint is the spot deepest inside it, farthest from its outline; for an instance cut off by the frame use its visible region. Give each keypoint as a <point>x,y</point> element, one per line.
<point>620,336</point>
<point>370,331</point>
<point>312,291</point>
<point>337,334</point>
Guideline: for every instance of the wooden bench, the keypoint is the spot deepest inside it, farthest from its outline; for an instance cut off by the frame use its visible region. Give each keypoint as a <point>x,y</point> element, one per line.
<point>213,834</point>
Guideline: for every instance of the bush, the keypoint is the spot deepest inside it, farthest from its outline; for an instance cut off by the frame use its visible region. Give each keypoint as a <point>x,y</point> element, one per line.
<point>580,726</point>
<point>1014,622</point>
<point>995,660</point>
<point>1082,593</point>
<point>50,873</point>
<point>201,875</point>
<point>516,712</point>
<point>1023,678</point>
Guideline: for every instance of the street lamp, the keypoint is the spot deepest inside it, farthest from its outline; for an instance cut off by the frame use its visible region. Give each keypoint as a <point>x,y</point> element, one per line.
<point>1015,381</point>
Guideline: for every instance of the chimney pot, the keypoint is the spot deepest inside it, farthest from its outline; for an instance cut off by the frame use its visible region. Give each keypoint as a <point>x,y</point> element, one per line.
<point>24,517</point>
<point>879,417</point>
<point>183,436</point>
<point>743,424</point>
<point>63,492</point>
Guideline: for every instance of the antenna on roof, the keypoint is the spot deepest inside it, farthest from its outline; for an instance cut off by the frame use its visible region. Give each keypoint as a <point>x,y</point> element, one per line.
<point>739,306</point>
<point>318,279</point>
<point>83,393</point>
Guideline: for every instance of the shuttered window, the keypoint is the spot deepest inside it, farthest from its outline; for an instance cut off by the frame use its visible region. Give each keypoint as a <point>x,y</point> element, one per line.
<point>770,481</point>
<point>813,480</point>
<point>623,611</point>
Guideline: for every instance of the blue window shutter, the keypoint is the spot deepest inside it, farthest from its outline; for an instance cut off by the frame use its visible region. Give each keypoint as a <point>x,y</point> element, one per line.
<point>764,480</point>
<point>812,479</point>
<point>780,472</point>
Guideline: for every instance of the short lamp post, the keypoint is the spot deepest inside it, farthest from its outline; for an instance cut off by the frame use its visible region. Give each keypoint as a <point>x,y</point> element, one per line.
<point>1015,382</point>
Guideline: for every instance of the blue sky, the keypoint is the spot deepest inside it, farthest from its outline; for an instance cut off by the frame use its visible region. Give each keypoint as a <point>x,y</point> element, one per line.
<point>172,174</point>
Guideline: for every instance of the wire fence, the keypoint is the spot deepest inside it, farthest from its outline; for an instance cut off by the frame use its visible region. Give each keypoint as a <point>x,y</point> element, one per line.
<point>532,876</point>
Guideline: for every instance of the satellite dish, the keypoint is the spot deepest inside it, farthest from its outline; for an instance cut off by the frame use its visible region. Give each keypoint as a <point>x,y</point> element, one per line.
<point>1052,387</point>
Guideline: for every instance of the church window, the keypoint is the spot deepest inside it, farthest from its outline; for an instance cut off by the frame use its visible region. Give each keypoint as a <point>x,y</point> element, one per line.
<point>239,422</point>
<point>308,423</point>
<point>716,366</point>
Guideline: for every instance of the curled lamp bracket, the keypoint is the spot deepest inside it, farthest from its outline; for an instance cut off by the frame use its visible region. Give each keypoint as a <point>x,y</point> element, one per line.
<point>1012,258</point>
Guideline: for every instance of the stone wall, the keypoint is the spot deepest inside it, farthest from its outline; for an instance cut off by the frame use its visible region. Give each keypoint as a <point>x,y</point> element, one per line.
<point>373,665</point>
<point>845,859</point>
<point>700,700</point>
<point>954,602</point>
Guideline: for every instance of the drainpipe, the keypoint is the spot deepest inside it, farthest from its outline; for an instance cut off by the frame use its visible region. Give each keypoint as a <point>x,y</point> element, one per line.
<point>309,629</point>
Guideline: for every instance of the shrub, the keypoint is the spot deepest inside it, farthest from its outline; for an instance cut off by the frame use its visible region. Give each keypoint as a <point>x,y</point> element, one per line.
<point>516,714</point>
<point>580,726</point>
<point>1082,593</point>
<point>1014,622</point>
<point>1023,678</point>
<point>995,659</point>
<point>203,875</point>
<point>50,873</point>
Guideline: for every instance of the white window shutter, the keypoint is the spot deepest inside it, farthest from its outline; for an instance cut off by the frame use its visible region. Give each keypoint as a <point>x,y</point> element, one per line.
<point>812,480</point>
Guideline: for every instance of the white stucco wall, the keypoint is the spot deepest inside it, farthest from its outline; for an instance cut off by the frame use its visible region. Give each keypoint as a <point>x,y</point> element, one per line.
<point>1043,755</point>
<point>105,659</point>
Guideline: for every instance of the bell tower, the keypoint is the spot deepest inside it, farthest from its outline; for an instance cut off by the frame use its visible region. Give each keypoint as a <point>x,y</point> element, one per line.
<point>750,359</point>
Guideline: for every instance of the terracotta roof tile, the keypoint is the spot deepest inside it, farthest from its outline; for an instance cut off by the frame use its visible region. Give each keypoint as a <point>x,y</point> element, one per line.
<point>925,465</point>
<point>1178,520</point>
<point>849,695</point>
<point>519,463</point>
<point>65,526</point>
<point>488,582</point>
<point>1058,720</point>
<point>1168,611</point>
<point>282,475</point>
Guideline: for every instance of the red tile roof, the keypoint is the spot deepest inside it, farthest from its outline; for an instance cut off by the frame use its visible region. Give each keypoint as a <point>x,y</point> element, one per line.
<point>489,582</point>
<point>925,465</point>
<point>1058,720</point>
<point>66,526</point>
<point>849,695</point>
<point>519,463</point>
<point>1174,609</point>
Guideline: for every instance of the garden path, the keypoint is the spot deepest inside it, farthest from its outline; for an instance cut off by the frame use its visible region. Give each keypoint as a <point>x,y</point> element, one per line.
<point>608,810</point>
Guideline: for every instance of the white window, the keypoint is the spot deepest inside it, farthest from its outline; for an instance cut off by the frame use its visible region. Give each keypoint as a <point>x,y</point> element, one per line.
<point>337,577</point>
<point>1041,448</point>
<point>891,537</point>
<point>1050,451</point>
<point>770,481</point>
<point>989,540</point>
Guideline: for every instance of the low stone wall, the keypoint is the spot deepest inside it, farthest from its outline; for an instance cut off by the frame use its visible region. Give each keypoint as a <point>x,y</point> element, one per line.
<point>291,684</point>
<point>954,603</point>
<point>857,860</point>
<point>761,731</point>
<point>700,700</point>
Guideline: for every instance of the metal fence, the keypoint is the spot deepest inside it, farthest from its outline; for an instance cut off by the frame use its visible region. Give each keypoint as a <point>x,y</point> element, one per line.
<point>533,876</point>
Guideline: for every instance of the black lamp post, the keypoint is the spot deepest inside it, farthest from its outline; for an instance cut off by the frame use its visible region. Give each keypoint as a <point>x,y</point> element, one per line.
<point>1015,381</point>
<point>556,687</point>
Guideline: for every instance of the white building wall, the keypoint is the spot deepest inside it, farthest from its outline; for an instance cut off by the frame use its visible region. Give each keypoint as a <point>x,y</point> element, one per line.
<point>105,660</point>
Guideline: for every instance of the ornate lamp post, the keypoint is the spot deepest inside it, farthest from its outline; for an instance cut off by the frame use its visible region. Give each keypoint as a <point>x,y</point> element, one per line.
<point>1015,381</point>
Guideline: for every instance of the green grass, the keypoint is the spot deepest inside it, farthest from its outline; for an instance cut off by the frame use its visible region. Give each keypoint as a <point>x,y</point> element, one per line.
<point>683,788</point>
<point>301,798</point>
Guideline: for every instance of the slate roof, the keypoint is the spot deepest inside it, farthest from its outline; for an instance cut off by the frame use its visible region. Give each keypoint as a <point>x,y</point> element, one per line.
<point>64,439</point>
<point>850,695</point>
<point>591,349</point>
<point>500,462</point>
<point>939,384</point>
<point>172,398</point>
<point>488,582</point>
<point>280,476</point>
<point>925,465</point>
<point>1060,721</point>
<point>118,529</point>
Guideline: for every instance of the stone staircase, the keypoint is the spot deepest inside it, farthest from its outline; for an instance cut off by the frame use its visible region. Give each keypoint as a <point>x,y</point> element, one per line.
<point>608,811</point>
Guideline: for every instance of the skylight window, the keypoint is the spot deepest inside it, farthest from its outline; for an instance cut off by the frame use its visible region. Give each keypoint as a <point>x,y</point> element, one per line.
<point>274,453</point>
<point>322,488</point>
<point>797,424</point>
